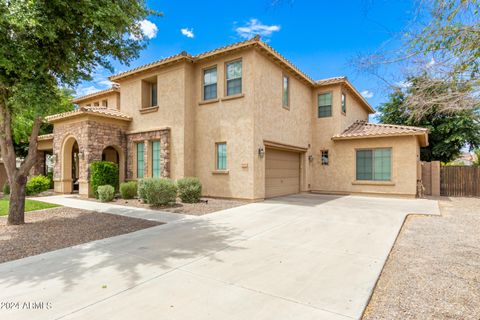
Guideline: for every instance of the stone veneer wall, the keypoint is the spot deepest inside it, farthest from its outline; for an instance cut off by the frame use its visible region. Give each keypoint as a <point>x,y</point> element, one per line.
<point>92,137</point>
<point>147,137</point>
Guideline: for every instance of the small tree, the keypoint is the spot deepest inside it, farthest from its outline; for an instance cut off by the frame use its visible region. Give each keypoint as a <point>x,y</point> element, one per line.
<point>47,43</point>
<point>448,132</point>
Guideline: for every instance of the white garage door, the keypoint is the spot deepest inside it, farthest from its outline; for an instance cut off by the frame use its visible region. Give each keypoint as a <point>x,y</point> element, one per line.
<point>282,172</point>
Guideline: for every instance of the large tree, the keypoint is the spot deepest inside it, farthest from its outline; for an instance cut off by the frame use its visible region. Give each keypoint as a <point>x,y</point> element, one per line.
<point>47,43</point>
<point>449,132</point>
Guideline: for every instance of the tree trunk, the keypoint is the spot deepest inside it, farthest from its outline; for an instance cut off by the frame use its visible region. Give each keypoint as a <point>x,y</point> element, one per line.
<point>16,210</point>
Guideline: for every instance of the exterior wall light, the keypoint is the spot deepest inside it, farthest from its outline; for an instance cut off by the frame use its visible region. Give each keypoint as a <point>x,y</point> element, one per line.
<point>261,152</point>
<point>54,158</point>
<point>310,158</point>
<point>81,155</point>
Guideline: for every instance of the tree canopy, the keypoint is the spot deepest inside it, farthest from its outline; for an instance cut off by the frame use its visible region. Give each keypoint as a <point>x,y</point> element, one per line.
<point>448,132</point>
<point>50,43</point>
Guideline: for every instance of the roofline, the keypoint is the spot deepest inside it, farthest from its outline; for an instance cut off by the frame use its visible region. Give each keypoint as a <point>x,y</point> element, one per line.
<point>95,94</point>
<point>79,113</point>
<point>419,134</point>
<point>253,42</point>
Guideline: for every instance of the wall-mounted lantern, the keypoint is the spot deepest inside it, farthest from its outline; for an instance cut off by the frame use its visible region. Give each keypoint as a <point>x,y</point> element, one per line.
<point>54,158</point>
<point>81,155</point>
<point>261,152</point>
<point>310,158</point>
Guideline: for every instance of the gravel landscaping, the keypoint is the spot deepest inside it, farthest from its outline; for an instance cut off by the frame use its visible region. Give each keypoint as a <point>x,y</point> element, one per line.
<point>207,205</point>
<point>433,271</point>
<point>56,228</point>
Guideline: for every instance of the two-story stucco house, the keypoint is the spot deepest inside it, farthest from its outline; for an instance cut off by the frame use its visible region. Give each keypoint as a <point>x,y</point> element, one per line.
<point>244,120</point>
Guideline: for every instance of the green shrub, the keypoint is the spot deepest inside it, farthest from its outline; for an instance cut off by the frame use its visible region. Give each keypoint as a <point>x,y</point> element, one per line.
<point>106,193</point>
<point>128,190</point>
<point>189,189</point>
<point>37,184</point>
<point>6,189</point>
<point>103,173</point>
<point>50,176</point>
<point>157,191</point>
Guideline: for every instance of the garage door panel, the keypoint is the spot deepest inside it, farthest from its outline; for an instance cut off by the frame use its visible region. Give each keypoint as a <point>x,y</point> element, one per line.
<point>282,173</point>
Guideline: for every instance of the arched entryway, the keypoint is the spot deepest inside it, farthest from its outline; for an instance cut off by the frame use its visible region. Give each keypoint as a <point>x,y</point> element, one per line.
<point>115,154</point>
<point>70,157</point>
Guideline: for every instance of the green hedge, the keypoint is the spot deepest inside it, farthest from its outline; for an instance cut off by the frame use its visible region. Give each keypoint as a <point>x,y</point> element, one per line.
<point>103,173</point>
<point>106,193</point>
<point>157,191</point>
<point>189,189</point>
<point>128,190</point>
<point>37,184</point>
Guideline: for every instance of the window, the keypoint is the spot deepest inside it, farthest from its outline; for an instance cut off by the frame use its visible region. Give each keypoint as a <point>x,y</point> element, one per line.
<point>344,106</point>
<point>156,159</point>
<point>105,103</point>
<point>324,157</point>
<point>325,105</point>
<point>96,104</point>
<point>374,164</point>
<point>286,91</point>
<point>140,160</point>
<point>234,78</point>
<point>221,156</point>
<point>153,94</point>
<point>210,83</point>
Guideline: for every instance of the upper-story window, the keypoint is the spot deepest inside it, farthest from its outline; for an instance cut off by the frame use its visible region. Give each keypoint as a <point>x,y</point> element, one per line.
<point>210,83</point>
<point>325,105</point>
<point>344,103</point>
<point>96,104</point>
<point>234,77</point>
<point>105,103</point>
<point>153,95</point>
<point>286,92</point>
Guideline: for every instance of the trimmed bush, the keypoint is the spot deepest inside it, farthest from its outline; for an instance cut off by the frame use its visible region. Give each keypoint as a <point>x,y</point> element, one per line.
<point>106,193</point>
<point>157,191</point>
<point>50,176</point>
<point>6,189</point>
<point>128,190</point>
<point>189,189</point>
<point>37,184</point>
<point>103,173</point>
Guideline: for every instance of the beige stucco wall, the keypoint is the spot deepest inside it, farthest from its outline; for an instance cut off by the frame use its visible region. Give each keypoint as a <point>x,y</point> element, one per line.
<point>339,175</point>
<point>289,126</point>
<point>226,120</point>
<point>247,121</point>
<point>171,93</point>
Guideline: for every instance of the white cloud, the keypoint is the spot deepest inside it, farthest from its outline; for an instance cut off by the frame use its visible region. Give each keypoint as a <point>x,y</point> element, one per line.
<point>367,94</point>
<point>187,32</point>
<point>84,90</point>
<point>255,27</point>
<point>403,84</point>
<point>430,63</point>
<point>149,29</point>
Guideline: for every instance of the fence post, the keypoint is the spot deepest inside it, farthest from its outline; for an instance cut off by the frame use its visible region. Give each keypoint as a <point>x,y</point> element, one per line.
<point>435,178</point>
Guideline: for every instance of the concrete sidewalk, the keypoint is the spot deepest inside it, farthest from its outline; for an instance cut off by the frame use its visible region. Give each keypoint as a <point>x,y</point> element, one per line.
<point>297,257</point>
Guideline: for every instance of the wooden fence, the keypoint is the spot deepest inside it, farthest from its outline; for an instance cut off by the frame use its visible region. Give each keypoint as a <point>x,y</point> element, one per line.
<point>460,181</point>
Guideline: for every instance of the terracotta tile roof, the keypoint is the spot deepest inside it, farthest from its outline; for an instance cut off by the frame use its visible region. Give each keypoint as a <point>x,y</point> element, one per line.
<point>45,137</point>
<point>255,41</point>
<point>363,129</point>
<point>333,80</point>
<point>99,111</point>
<point>116,88</point>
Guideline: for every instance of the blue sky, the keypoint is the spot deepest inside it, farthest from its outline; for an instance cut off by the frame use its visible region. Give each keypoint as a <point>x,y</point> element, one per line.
<point>319,37</point>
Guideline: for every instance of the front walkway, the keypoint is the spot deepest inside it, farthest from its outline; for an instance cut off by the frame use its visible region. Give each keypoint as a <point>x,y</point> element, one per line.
<point>297,257</point>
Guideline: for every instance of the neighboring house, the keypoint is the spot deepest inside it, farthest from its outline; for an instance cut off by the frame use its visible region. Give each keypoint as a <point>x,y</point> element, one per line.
<point>244,120</point>
<point>464,159</point>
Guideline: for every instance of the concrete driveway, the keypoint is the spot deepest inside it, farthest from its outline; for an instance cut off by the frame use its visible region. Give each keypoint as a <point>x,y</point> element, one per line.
<point>297,257</point>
